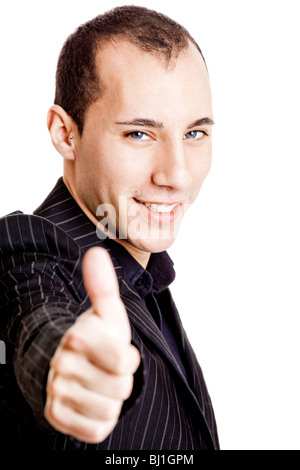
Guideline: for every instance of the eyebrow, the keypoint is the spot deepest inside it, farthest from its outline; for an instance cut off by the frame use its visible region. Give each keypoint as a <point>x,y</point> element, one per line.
<point>141,122</point>
<point>200,122</point>
<point>158,124</point>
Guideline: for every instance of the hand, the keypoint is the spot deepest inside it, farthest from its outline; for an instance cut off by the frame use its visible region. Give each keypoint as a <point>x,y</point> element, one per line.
<point>91,372</point>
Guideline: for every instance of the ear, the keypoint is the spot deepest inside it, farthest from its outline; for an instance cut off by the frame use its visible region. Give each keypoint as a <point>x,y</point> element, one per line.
<point>63,131</point>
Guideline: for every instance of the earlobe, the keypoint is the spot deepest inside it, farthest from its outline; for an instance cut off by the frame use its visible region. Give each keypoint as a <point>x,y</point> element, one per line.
<point>62,130</point>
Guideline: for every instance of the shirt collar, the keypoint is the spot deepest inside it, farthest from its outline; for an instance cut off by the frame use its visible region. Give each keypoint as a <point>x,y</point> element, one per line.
<point>158,275</point>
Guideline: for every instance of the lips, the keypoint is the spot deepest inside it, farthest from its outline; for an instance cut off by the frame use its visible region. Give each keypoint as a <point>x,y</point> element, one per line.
<point>161,213</point>
<point>161,208</point>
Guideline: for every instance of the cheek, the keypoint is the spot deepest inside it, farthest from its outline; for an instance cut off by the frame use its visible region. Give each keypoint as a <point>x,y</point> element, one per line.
<point>201,169</point>
<point>128,172</point>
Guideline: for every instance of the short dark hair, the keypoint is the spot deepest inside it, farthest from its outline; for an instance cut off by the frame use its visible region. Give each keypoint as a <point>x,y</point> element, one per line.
<point>77,80</point>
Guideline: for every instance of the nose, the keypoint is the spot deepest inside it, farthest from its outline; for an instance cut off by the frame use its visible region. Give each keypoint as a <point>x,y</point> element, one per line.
<point>171,168</point>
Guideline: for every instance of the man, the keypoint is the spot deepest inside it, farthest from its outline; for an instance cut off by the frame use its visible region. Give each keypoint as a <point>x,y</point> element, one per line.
<point>96,353</point>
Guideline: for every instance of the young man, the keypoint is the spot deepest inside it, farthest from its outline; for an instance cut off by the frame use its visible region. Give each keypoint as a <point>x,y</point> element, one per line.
<point>96,353</point>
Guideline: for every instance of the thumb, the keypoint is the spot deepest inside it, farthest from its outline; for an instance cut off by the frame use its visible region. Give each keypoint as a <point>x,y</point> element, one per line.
<point>101,283</point>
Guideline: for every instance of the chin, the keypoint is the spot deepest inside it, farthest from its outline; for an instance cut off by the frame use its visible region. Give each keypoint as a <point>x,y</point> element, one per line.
<point>155,241</point>
<point>153,246</point>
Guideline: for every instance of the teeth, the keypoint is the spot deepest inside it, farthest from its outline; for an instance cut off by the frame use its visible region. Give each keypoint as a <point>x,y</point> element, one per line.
<point>160,207</point>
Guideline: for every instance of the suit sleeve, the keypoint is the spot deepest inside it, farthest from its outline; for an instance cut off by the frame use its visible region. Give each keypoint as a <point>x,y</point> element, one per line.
<point>41,295</point>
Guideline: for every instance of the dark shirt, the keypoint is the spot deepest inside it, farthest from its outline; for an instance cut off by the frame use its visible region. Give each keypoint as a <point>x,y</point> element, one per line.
<point>150,284</point>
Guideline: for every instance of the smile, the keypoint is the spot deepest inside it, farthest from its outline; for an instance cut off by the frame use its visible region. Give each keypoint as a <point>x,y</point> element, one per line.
<point>161,213</point>
<point>162,208</point>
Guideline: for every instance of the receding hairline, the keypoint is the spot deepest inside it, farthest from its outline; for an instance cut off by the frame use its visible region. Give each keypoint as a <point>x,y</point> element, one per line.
<point>168,63</point>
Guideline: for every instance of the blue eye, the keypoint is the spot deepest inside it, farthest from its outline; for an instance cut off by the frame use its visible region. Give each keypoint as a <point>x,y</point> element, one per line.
<point>137,135</point>
<point>194,135</point>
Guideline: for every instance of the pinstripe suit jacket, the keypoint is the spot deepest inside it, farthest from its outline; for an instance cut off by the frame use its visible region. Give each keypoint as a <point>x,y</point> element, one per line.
<point>41,294</point>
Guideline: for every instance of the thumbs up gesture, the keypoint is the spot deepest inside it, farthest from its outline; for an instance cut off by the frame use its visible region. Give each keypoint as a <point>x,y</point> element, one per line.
<point>91,372</point>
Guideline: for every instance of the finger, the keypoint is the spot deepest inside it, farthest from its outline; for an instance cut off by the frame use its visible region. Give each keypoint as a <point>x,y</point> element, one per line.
<point>84,401</point>
<point>102,286</point>
<point>99,275</point>
<point>70,422</point>
<point>76,367</point>
<point>101,343</point>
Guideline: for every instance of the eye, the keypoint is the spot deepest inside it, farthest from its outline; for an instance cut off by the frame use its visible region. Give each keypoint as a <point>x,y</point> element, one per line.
<point>195,135</point>
<point>138,135</point>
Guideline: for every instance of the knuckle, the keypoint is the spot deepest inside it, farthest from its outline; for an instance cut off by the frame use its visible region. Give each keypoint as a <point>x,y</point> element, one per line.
<point>72,340</point>
<point>112,410</point>
<point>51,411</point>
<point>59,363</point>
<point>119,360</point>
<point>136,357</point>
<point>126,361</point>
<point>100,431</point>
<point>54,386</point>
<point>124,387</point>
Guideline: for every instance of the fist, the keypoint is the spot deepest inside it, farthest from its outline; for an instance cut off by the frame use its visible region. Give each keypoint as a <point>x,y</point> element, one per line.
<point>91,372</point>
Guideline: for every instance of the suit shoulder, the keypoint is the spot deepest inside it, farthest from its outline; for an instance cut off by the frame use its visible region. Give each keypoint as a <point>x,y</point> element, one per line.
<point>31,233</point>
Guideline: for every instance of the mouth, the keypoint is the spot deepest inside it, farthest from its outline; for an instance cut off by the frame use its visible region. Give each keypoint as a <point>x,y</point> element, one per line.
<point>161,208</point>
<point>160,212</point>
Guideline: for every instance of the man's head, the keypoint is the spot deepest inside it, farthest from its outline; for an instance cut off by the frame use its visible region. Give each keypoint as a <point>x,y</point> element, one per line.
<point>78,76</point>
<point>142,146</point>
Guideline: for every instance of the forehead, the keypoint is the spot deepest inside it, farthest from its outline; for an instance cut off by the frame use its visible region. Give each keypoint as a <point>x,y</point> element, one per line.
<point>131,77</point>
<point>119,56</point>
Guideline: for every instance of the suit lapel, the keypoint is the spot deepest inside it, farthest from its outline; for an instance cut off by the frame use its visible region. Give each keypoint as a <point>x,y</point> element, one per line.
<point>142,320</point>
<point>144,323</point>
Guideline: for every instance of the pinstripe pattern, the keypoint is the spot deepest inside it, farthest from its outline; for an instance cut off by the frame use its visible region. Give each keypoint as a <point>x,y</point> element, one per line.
<point>41,294</point>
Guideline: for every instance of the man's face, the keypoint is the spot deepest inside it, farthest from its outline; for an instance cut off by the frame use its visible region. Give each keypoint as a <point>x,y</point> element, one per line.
<point>146,145</point>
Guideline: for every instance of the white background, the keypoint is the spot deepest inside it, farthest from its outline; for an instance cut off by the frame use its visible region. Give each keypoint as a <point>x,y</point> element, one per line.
<point>237,256</point>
